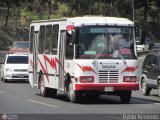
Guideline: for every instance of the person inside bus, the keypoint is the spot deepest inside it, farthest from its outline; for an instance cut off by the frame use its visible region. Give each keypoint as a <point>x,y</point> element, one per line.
<point>98,43</point>
<point>124,41</point>
<point>120,41</point>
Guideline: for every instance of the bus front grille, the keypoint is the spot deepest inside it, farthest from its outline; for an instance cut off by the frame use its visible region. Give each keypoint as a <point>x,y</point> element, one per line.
<point>108,76</point>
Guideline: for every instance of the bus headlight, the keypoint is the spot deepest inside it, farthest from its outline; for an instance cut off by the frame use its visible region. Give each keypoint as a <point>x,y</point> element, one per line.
<point>84,79</point>
<point>129,79</point>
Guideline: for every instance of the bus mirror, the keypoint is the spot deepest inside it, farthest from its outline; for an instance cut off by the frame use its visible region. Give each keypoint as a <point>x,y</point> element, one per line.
<point>75,38</point>
<point>72,37</point>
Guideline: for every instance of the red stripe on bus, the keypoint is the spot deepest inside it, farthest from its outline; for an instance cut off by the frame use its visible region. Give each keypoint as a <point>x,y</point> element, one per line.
<point>101,87</point>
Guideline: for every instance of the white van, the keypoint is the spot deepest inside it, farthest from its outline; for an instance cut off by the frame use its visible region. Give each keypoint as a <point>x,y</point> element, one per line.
<point>15,67</point>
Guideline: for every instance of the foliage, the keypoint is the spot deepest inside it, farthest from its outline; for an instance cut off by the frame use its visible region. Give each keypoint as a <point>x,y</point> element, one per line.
<point>49,9</point>
<point>17,13</point>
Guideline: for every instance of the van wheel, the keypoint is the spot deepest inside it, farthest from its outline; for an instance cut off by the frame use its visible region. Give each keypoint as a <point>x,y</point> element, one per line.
<point>72,95</point>
<point>158,88</point>
<point>5,81</point>
<point>125,96</point>
<point>43,90</point>
<point>145,89</point>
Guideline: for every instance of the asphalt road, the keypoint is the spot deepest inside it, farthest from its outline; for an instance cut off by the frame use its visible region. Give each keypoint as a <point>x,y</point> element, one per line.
<point>20,98</point>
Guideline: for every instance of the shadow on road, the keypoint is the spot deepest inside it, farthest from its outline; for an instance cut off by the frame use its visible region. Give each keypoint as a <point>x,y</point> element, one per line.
<point>17,81</point>
<point>105,99</point>
<point>137,100</point>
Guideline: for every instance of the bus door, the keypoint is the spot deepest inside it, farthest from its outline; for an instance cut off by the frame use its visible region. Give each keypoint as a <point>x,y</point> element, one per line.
<point>35,57</point>
<point>61,61</point>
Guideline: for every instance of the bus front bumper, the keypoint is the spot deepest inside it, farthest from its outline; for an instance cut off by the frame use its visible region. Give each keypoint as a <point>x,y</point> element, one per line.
<point>104,87</point>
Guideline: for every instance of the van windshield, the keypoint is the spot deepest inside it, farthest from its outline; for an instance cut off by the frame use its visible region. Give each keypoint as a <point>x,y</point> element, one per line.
<point>17,60</point>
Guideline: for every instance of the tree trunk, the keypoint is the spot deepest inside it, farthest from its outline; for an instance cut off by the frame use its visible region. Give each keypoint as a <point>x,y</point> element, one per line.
<point>145,22</point>
<point>49,9</point>
<point>8,3</point>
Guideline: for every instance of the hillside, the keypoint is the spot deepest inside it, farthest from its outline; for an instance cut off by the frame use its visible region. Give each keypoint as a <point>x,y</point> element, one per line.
<point>9,35</point>
<point>15,15</point>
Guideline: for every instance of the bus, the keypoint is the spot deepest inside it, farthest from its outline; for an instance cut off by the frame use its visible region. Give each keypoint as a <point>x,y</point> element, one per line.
<point>84,56</point>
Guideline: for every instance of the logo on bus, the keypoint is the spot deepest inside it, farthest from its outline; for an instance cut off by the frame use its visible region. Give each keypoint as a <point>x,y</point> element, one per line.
<point>52,62</point>
<point>130,69</point>
<point>86,68</point>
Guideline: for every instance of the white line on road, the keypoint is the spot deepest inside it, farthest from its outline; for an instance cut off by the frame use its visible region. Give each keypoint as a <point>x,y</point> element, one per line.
<point>43,103</point>
<point>149,102</point>
<point>116,118</point>
<point>157,103</point>
<point>2,92</point>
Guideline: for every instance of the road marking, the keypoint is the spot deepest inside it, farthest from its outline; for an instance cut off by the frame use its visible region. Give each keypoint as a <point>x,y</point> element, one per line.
<point>50,105</point>
<point>2,92</point>
<point>157,103</point>
<point>149,102</point>
<point>116,118</point>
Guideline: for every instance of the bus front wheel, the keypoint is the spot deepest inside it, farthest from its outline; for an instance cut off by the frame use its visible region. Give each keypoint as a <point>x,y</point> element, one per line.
<point>72,95</point>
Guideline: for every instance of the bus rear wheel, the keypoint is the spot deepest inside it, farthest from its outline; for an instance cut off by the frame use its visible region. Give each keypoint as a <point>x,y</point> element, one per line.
<point>43,90</point>
<point>125,96</point>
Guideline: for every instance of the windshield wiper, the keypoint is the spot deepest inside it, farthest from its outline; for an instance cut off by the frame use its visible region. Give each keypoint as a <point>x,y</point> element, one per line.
<point>114,50</point>
<point>97,56</point>
<point>112,47</point>
<point>101,51</point>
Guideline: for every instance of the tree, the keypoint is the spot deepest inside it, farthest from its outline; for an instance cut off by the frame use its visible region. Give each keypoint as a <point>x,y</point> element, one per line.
<point>8,4</point>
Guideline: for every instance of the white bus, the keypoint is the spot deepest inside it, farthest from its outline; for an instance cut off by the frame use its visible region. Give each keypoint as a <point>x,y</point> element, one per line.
<point>84,56</point>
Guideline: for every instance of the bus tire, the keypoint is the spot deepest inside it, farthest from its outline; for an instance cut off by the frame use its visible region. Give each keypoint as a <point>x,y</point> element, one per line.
<point>158,88</point>
<point>72,95</point>
<point>125,96</point>
<point>145,89</point>
<point>43,90</point>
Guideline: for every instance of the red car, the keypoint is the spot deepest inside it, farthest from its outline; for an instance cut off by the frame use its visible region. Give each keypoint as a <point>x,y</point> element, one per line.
<point>19,46</point>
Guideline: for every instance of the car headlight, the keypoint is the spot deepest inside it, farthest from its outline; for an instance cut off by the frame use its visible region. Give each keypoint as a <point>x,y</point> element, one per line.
<point>8,69</point>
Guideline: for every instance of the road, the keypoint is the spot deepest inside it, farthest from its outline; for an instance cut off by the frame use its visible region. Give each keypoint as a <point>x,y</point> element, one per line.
<point>21,98</point>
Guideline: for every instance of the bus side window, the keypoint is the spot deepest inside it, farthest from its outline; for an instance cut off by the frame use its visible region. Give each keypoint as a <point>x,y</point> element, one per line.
<point>48,39</point>
<point>41,39</point>
<point>55,32</point>
<point>31,39</point>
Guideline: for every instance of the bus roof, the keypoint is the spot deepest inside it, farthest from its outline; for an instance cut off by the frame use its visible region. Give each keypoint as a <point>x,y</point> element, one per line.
<point>101,21</point>
<point>92,20</point>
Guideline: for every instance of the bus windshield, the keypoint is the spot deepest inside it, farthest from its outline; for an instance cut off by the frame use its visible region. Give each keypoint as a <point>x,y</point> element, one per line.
<point>105,42</point>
